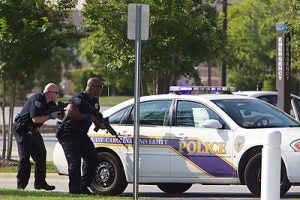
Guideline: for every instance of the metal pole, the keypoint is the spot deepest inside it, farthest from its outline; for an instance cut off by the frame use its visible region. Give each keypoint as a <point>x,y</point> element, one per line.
<point>137,99</point>
<point>223,67</point>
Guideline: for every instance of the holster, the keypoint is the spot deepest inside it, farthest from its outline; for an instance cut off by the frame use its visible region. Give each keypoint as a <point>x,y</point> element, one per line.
<point>63,129</point>
<point>21,127</point>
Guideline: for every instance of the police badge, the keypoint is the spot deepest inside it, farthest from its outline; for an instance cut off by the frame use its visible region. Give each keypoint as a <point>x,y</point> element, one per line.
<point>37,104</point>
<point>77,101</point>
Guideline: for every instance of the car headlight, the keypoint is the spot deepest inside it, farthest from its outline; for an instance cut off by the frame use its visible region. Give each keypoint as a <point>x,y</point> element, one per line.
<point>296,145</point>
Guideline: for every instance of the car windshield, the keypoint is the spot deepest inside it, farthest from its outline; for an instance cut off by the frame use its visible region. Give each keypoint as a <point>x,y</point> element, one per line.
<point>251,113</point>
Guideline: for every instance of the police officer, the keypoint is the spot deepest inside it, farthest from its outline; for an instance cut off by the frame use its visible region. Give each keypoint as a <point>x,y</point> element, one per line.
<point>75,141</point>
<point>34,113</point>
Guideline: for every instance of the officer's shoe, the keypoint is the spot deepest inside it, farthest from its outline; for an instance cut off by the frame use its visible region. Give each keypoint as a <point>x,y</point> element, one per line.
<point>44,186</point>
<point>86,191</point>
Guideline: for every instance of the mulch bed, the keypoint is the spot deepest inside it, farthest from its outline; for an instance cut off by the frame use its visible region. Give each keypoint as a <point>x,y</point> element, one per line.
<point>43,129</point>
<point>8,163</point>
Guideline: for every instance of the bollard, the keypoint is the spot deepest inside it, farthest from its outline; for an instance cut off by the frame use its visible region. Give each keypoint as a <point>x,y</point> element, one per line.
<point>271,167</point>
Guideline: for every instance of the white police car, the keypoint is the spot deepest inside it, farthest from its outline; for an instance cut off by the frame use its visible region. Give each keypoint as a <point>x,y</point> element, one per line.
<point>190,139</point>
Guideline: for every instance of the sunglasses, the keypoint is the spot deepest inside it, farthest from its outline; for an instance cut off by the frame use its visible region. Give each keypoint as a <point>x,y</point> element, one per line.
<point>54,92</point>
<point>97,86</point>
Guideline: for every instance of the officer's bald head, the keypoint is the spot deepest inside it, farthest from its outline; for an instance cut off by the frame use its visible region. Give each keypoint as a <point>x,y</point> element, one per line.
<point>94,87</point>
<point>94,82</point>
<point>51,87</point>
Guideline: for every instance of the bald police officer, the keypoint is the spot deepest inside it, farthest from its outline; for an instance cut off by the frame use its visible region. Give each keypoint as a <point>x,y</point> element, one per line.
<point>34,113</point>
<point>75,141</point>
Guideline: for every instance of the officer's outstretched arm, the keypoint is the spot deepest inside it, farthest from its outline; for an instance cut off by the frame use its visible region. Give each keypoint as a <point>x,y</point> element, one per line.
<point>43,118</point>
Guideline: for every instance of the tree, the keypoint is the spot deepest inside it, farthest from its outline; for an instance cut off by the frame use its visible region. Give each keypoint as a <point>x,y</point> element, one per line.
<point>182,35</point>
<point>29,31</point>
<point>251,41</point>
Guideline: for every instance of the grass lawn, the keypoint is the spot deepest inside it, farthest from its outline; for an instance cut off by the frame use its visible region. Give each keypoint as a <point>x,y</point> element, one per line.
<point>105,100</point>
<point>113,100</point>
<point>13,194</point>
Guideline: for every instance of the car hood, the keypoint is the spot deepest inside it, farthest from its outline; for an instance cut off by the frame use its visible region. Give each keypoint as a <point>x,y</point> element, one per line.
<point>256,137</point>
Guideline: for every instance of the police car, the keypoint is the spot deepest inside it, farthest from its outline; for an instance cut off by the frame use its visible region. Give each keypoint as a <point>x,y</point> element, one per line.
<point>191,139</point>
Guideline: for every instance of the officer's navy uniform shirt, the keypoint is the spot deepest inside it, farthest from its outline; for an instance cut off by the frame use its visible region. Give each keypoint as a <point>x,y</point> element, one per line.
<point>37,106</point>
<point>81,100</point>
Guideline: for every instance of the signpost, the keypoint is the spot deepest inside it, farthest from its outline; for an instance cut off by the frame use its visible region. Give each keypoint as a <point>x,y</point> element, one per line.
<point>283,66</point>
<point>137,29</point>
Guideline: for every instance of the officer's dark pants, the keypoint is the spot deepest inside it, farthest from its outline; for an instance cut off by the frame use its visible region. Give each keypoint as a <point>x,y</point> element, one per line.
<point>30,145</point>
<point>75,148</point>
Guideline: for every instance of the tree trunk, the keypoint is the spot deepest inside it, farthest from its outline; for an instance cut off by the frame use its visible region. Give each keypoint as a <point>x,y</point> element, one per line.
<point>3,119</point>
<point>11,116</point>
<point>156,82</point>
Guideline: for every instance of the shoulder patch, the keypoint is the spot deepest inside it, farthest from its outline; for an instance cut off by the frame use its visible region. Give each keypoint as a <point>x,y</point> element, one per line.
<point>37,104</point>
<point>77,101</point>
<point>96,106</point>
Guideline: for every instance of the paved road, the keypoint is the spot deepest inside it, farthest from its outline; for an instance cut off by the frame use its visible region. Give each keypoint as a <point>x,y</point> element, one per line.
<point>201,192</point>
<point>216,192</point>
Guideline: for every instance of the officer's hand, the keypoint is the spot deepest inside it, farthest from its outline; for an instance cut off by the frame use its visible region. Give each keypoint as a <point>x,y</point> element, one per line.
<point>102,126</point>
<point>55,115</point>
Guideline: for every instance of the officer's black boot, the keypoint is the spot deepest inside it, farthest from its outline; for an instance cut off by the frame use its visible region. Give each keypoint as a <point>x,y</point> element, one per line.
<point>44,186</point>
<point>85,190</point>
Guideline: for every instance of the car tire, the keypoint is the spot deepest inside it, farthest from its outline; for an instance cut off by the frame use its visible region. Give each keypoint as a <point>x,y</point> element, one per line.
<point>109,177</point>
<point>174,188</point>
<point>252,176</point>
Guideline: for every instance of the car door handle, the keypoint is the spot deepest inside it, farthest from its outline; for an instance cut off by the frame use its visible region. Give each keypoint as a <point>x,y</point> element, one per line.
<point>124,134</point>
<point>182,136</point>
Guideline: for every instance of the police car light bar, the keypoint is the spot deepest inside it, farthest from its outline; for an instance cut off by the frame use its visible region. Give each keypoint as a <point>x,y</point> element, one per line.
<point>200,89</point>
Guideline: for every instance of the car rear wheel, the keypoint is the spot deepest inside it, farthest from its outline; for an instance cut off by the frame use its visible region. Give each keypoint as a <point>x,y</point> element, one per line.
<point>174,188</point>
<point>253,176</point>
<point>109,178</point>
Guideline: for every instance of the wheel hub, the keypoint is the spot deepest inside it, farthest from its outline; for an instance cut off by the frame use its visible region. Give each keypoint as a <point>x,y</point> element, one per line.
<point>105,174</point>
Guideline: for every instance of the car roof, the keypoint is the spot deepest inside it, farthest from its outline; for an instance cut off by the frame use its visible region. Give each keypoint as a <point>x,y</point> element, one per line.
<point>260,93</point>
<point>255,93</point>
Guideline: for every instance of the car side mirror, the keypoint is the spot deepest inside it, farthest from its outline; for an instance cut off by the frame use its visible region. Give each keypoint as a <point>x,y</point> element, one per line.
<point>212,123</point>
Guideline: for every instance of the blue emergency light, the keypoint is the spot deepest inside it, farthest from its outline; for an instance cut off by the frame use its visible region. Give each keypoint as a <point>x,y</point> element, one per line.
<point>181,89</point>
<point>200,89</point>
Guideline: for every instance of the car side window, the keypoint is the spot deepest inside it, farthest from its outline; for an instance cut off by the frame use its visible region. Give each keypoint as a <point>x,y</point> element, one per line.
<point>117,117</point>
<point>153,113</point>
<point>193,114</point>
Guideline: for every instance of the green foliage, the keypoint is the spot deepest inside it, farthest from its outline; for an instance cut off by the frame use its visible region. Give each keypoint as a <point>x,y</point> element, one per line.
<point>30,30</point>
<point>182,34</point>
<point>80,78</point>
<point>251,40</point>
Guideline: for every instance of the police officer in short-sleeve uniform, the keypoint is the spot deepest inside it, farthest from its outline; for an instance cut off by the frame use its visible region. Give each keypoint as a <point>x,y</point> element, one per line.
<point>34,113</point>
<point>75,141</point>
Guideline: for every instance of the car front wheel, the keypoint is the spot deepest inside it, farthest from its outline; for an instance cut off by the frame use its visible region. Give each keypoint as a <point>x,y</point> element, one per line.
<point>253,176</point>
<point>109,178</point>
<point>174,188</point>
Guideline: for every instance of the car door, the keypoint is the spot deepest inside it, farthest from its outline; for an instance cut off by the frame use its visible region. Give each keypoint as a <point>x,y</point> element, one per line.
<point>153,152</point>
<point>199,151</point>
